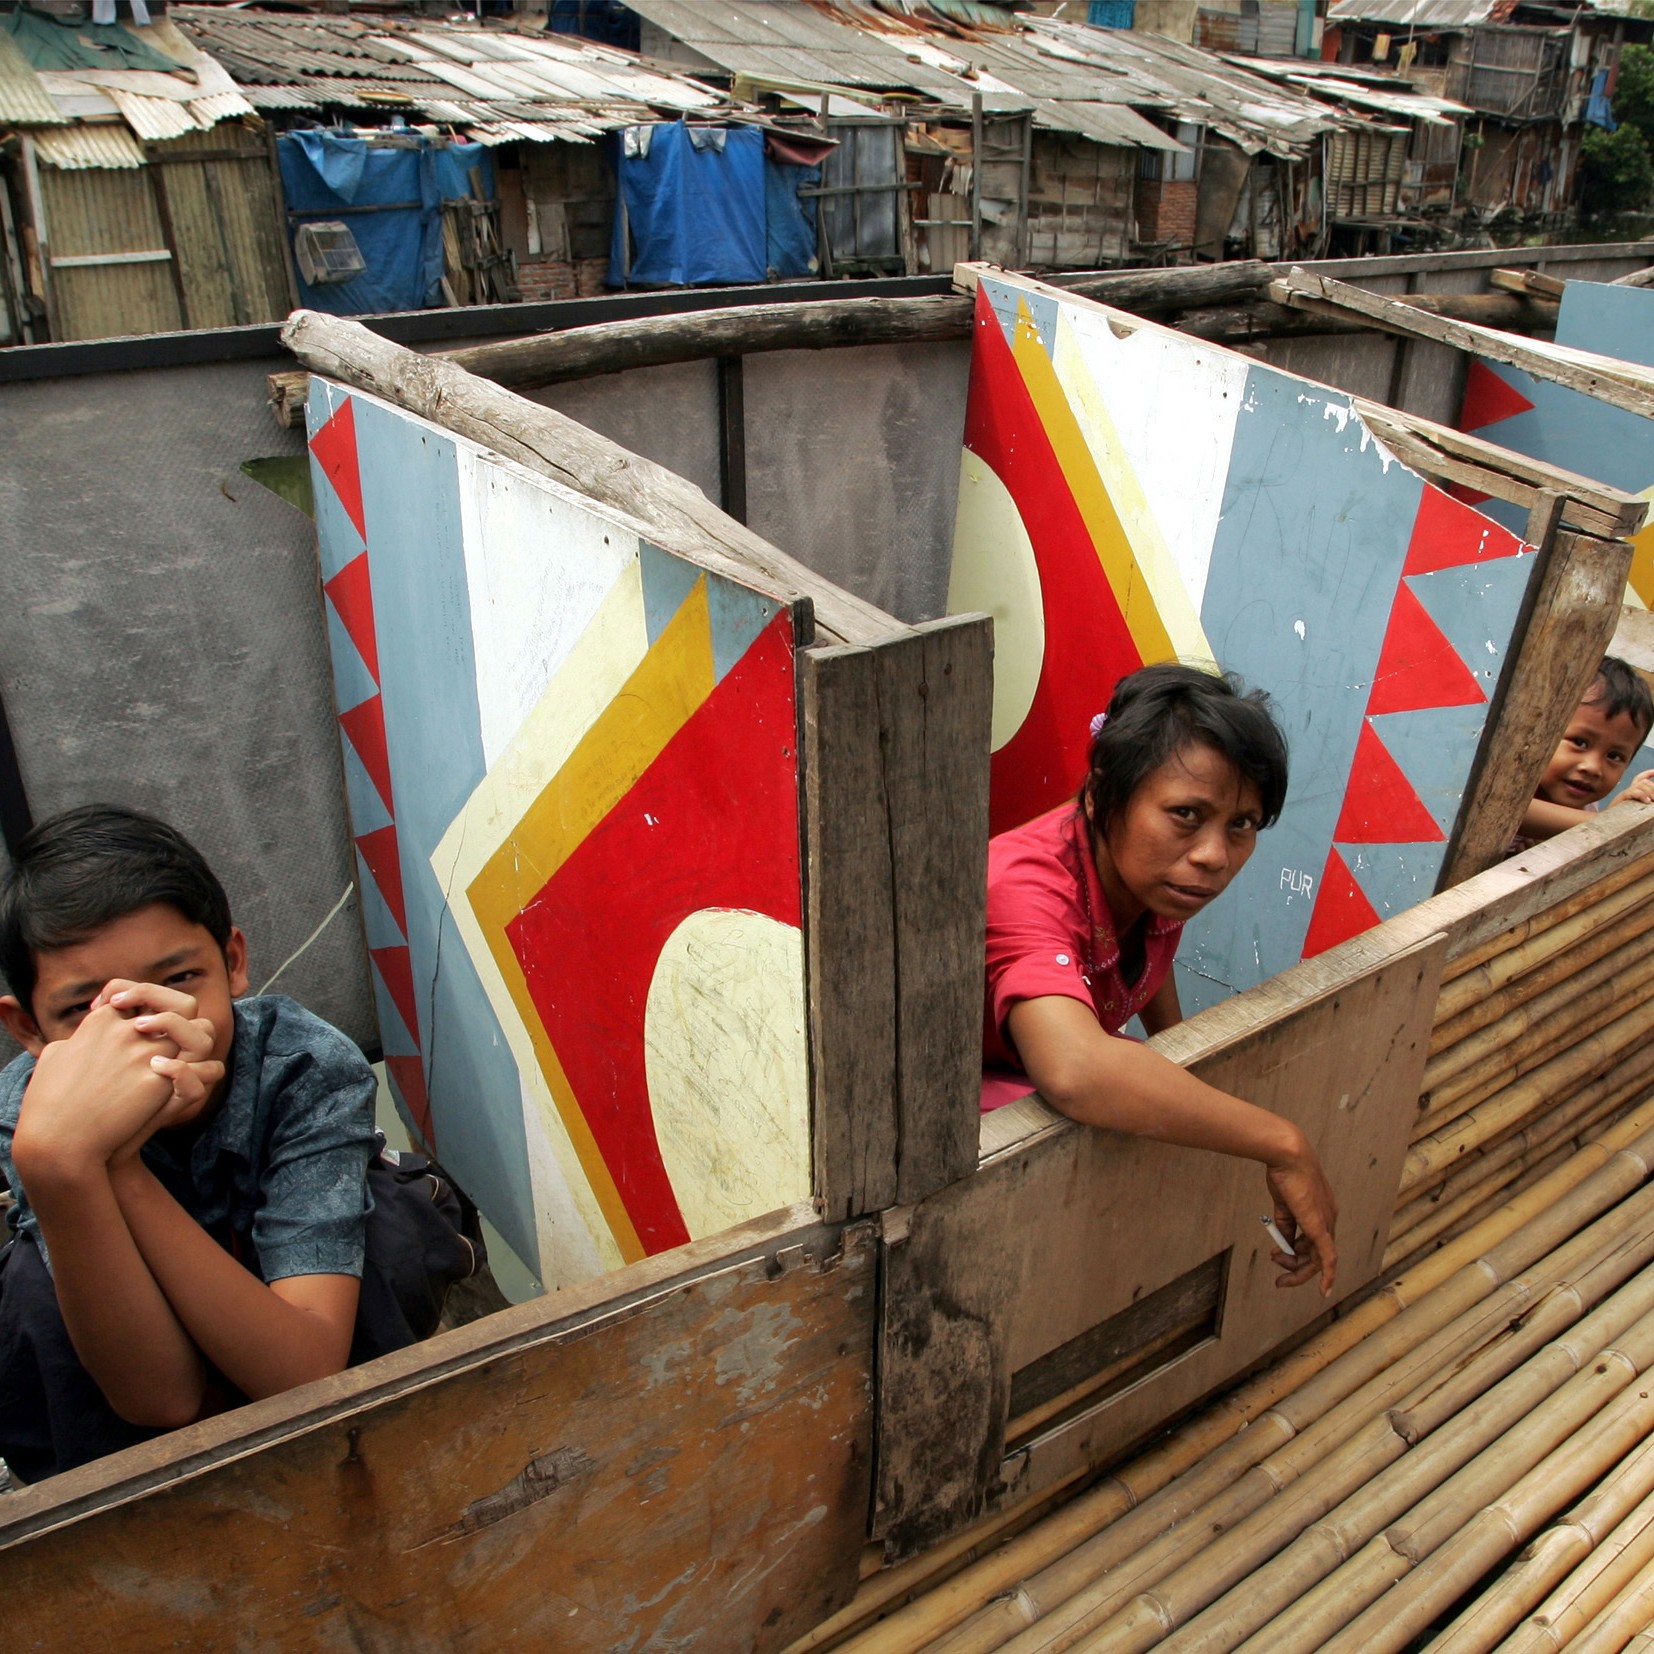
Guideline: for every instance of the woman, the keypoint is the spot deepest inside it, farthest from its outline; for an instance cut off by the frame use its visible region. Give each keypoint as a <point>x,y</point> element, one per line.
<point>1085,907</point>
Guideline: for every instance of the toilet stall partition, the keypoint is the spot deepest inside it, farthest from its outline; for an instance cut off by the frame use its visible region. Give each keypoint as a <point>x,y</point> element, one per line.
<point>648,881</point>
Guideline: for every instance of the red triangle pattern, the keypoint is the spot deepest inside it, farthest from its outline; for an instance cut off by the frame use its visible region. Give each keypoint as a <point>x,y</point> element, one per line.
<point>334,446</point>
<point>1448,534</point>
<point>1341,909</point>
<point>379,850</point>
<point>1418,667</point>
<point>351,593</point>
<point>1464,493</point>
<point>396,968</point>
<point>365,725</point>
<point>409,1075</point>
<point>1488,398</point>
<point>1380,805</point>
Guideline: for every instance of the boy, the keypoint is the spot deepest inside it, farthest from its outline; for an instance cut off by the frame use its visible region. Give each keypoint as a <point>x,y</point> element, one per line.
<point>1602,737</point>
<point>189,1167</point>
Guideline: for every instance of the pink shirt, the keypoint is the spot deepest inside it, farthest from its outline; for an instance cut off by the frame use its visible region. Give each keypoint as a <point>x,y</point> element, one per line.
<point>1042,883</point>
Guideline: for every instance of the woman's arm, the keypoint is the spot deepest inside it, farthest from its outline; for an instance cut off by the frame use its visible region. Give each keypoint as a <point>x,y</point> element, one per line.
<point>1103,1081</point>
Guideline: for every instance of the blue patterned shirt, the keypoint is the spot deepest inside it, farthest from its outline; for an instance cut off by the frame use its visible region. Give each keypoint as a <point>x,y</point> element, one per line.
<point>279,1169</point>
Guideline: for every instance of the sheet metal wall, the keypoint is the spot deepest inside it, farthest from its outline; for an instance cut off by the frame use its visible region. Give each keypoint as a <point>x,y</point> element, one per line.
<point>162,646</point>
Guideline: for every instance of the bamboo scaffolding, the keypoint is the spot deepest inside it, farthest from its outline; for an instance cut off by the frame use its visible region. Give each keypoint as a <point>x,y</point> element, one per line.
<point>1568,1025</point>
<point>1221,1442</point>
<point>1528,944</point>
<point>1359,1604</point>
<point>1560,968</point>
<point>1379,1474</point>
<point>1137,1548</point>
<point>1601,1545</point>
<point>1534,1006</point>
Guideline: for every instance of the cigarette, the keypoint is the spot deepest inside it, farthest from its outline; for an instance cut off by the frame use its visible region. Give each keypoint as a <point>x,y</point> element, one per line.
<point>1274,1233</point>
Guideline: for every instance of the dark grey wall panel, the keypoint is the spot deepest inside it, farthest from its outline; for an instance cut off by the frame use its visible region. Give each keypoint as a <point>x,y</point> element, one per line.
<point>162,646</point>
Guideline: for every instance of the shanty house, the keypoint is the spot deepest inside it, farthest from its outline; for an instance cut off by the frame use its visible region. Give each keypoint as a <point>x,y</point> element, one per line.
<point>1535,74</point>
<point>137,186</point>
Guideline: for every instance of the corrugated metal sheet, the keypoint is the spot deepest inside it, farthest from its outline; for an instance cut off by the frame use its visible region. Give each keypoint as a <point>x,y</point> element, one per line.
<point>1423,14</point>
<point>89,144</point>
<point>23,98</point>
<point>153,118</point>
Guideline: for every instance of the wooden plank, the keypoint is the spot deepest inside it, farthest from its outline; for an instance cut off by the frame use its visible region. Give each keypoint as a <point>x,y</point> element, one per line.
<point>896,741</point>
<point>554,445</point>
<point>1067,1227</point>
<point>1621,384</point>
<point>1528,281</point>
<point>1569,616</point>
<point>628,1476</point>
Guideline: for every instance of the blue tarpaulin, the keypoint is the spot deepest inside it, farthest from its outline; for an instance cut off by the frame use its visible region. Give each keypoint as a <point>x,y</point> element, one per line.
<point>789,223</point>
<point>326,174</point>
<point>694,206</point>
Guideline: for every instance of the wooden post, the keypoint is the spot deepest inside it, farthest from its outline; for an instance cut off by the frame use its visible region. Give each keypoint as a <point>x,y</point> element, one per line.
<point>896,820</point>
<point>1568,618</point>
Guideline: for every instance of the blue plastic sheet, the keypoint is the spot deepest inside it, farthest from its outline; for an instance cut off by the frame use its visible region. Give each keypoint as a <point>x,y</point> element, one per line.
<point>326,174</point>
<point>695,210</point>
<point>789,223</point>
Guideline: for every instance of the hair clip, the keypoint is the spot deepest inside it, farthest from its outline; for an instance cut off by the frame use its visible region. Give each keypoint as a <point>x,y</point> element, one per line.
<point>1097,724</point>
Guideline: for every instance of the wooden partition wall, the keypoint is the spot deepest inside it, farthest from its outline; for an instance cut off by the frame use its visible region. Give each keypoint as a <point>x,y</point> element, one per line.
<point>691,1449</point>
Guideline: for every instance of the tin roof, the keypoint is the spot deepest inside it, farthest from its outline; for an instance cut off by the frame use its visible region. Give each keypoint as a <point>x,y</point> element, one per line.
<point>1337,83</point>
<point>494,84</point>
<point>1424,14</point>
<point>89,144</point>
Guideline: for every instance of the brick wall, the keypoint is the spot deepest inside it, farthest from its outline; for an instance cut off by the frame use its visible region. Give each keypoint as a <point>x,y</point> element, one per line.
<point>561,278</point>
<point>1166,211</point>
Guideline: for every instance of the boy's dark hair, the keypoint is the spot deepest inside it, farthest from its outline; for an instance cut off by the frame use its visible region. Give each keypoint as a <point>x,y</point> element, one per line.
<point>84,869</point>
<point>1623,691</point>
<point>1159,709</point>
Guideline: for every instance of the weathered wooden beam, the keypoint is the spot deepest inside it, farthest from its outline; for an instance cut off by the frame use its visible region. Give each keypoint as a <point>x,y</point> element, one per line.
<point>1568,618</point>
<point>895,747</point>
<point>1621,384</point>
<point>666,506</point>
<point>1534,282</point>
<point>1243,324</point>
<point>1637,278</point>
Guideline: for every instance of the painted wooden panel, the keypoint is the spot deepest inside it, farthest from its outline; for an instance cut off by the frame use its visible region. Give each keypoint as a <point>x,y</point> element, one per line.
<point>585,1473</point>
<point>1567,427</point>
<point>571,765</point>
<point>1130,495</point>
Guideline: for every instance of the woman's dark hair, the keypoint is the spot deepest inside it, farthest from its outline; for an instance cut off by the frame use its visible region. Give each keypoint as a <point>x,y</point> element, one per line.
<point>86,868</point>
<point>1623,691</point>
<point>1160,709</point>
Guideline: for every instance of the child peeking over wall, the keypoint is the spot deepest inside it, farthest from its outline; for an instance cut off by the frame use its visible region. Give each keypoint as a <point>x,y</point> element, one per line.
<point>1602,737</point>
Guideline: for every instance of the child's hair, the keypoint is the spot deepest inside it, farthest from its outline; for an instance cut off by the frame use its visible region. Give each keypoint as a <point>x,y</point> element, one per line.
<point>86,868</point>
<point>1623,691</point>
<point>1160,709</point>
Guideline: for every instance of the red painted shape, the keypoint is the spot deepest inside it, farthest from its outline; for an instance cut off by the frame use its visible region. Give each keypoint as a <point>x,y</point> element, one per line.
<point>1380,806</point>
<point>1488,397</point>
<point>334,446</point>
<point>409,1075</point>
<point>1418,667</point>
<point>1448,533</point>
<point>1341,909</point>
<point>1088,647</point>
<point>712,823</point>
<point>384,858</point>
<point>351,593</point>
<point>365,725</point>
<point>396,968</point>
<point>1463,493</point>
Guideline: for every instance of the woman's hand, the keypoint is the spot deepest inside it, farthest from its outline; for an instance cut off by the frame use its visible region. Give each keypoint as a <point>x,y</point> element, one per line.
<point>1307,1215</point>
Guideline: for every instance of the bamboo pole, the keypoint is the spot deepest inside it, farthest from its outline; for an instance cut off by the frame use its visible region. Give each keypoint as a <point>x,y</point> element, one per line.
<point>1534,1008</point>
<point>1227,1437</point>
<point>1602,1543</point>
<point>1356,1606</point>
<point>1623,1623</point>
<point>1560,968</point>
<point>1592,1054</point>
<point>1534,940</point>
<point>1567,1025</point>
<point>1079,1591</point>
<point>1379,1474</point>
<point>1569,1114</point>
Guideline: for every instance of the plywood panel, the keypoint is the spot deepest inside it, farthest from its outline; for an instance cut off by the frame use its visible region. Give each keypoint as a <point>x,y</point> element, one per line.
<point>583,1477</point>
<point>1064,1227</point>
